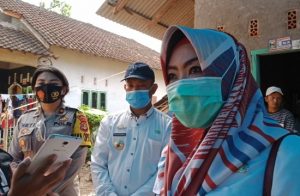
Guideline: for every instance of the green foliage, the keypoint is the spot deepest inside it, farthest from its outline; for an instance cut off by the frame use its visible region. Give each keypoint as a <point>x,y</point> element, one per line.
<point>42,4</point>
<point>58,6</point>
<point>94,119</point>
<point>66,10</point>
<point>29,89</point>
<point>24,91</point>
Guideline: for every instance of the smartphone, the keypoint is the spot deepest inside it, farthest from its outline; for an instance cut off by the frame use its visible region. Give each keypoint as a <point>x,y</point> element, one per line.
<point>61,145</point>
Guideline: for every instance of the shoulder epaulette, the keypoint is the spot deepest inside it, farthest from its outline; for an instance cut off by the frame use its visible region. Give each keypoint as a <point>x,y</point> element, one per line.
<point>71,109</point>
<point>31,110</point>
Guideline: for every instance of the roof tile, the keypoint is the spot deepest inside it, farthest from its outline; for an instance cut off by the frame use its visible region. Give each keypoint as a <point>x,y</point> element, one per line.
<point>72,34</point>
<point>21,41</point>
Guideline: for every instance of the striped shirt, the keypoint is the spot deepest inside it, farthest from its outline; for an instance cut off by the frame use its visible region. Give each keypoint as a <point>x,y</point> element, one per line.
<point>285,119</point>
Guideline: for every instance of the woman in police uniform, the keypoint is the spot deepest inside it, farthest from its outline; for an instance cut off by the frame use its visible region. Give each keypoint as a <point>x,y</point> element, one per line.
<point>51,116</point>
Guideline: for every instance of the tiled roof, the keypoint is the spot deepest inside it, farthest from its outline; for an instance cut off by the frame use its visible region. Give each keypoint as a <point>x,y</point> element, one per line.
<point>72,34</point>
<point>21,41</point>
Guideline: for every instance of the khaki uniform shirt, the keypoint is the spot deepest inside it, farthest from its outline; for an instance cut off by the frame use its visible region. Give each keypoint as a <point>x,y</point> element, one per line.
<point>33,128</point>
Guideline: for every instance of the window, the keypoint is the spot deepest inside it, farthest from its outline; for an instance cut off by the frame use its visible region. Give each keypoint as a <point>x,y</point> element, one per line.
<point>102,101</point>
<point>94,99</point>
<point>292,19</point>
<point>85,98</point>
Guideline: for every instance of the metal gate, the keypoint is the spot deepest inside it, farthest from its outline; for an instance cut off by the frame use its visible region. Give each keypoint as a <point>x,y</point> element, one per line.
<point>8,124</point>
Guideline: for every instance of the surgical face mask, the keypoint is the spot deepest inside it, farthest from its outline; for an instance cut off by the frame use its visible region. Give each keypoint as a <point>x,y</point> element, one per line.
<point>48,93</point>
<point>138,99</point>
<point>195,101</point>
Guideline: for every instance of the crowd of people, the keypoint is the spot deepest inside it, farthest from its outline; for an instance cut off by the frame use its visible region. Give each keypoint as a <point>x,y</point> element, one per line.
<point>13,102</point>
<point>223,138</point>
<point>12,106</point>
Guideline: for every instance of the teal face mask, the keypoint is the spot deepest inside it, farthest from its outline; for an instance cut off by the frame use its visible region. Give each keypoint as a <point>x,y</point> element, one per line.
<point>138,99</point>
<point>195,101</point>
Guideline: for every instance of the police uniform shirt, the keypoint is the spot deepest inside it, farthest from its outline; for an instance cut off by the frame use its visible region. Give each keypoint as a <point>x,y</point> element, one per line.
<point>33,128</point>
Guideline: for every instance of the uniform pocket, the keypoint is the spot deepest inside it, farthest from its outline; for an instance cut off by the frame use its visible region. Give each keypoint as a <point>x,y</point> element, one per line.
<point>153,150</point>
<point>155,144</point>
<point>155,135</point>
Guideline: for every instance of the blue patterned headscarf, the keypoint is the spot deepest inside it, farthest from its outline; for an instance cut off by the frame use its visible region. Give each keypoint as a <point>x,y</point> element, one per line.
<point>240,132</point>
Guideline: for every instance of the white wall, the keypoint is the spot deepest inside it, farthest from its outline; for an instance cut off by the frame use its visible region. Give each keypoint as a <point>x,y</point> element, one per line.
<point>75,64</point>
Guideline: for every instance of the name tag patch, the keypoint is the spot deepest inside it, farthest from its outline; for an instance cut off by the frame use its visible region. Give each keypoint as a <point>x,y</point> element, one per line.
<point>119,134</point>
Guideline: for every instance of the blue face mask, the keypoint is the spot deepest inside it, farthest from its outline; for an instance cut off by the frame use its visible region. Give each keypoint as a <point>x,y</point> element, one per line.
<point>195,101</point>
<point>138,99</point>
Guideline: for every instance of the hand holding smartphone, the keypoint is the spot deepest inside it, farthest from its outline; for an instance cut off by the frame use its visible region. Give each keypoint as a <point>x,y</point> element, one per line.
<point>61,145</point>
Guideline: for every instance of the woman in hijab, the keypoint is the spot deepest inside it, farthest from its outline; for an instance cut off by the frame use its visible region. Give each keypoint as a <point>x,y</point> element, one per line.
<point>221,135</point>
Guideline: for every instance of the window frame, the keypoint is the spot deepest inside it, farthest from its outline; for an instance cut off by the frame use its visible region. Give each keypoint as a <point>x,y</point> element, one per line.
<point>88,93</point>
<point>99,98</point>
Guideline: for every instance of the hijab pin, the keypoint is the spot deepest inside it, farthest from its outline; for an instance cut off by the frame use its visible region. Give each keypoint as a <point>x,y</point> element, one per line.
<point>243,169</point>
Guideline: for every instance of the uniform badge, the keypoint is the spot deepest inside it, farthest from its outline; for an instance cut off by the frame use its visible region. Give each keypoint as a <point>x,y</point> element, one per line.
<point>22,143</point>
<point>83,122</point>
<point>243,169</point>
<point>64,119</point>
<point>39,136</point>
<point>157,131</point>
<point>61,110</point>
<point>54,95</point>
<point>119,145</point>
<point>84,126</point>
<point>24,131</point>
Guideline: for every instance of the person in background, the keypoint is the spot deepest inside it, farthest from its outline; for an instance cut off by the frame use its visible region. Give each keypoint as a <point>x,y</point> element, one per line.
<point>15,104</point>
<point>274,98</point>
<point>1,118</point>
<point>297,117</point>
<point>1,104</point>
<point>128,144</point>
<point>31,101</point>
<point>51,117</point>
<point>221,132</point>
<point>23,102</point>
